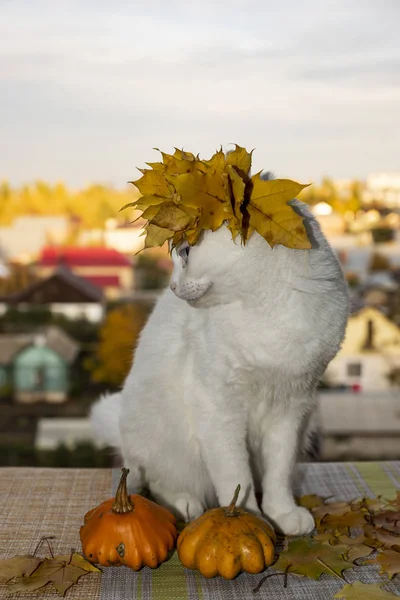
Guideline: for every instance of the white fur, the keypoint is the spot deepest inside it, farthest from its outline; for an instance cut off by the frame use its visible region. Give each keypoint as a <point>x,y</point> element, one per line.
<point>224,377</point>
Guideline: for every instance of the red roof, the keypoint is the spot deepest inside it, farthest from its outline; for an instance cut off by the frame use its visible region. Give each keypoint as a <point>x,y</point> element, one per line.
<point>83,257</point>
<point>103,281</point>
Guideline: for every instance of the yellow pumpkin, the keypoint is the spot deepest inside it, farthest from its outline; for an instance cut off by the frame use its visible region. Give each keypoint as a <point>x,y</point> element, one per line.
<point>128,530</point>
<point>227,540</point>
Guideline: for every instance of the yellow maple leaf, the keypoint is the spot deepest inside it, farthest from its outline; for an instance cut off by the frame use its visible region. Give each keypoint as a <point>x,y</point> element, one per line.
<point>215,164</point>
<point>157,166</point>
<point>192,235</point>
<point>183,155</point>
<point>240,158</point>
<point>154,183</point>
<point>169,216</point>
<point>205,191</point>
<point>271,215</point>
<point>145,201</point>
<point>183,195</point>
<point>157,236</point>
<point>151,212</point>
<point>235,188</point>
<point>175,165</point>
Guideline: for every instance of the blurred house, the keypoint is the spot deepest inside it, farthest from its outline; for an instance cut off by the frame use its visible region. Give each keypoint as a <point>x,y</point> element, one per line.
<point>331,223</point>
<point>51,432</point>
<point>63,293</point>
<point>369,355</point>
<point>383,188</point>
<point>105,268</point>
<point>34,367</point>
<point>22,240</point>
<point>125,238</point>
<point>381,290</point>
<point>359,426</point>
<point>355,255</point>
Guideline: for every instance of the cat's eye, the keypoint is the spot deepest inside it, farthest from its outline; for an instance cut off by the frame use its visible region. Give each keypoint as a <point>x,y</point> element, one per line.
<point>184,251</point>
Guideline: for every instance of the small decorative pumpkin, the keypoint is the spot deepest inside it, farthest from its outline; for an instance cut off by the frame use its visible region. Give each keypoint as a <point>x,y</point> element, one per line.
<point>227,540</point>
<point>128,530</point>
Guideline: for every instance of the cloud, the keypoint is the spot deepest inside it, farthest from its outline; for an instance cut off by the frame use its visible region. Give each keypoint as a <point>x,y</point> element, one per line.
<point>88,88</point>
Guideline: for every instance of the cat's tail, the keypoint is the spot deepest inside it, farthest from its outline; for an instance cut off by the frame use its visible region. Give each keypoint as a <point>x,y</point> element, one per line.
<point>104,418</point>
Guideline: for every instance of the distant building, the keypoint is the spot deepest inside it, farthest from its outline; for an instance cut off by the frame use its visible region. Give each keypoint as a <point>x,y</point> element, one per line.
<point>370,352</point>
<point>63,293</point>
<point>331,223</point>
<point>355,256</point>
<point>22,240</point>
<point>359,426</point>
<point>383,188</point>
<point>35,367</point>
<point>105,268</point>
<point>51,432</point>
<point>126,238</point>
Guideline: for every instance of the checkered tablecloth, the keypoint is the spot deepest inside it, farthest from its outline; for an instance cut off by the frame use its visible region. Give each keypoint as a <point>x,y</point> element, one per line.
<point>37,502</point>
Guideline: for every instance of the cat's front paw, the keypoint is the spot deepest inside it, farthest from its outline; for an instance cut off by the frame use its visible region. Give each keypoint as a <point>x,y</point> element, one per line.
<point>298,521</point>
<point>188,508</point>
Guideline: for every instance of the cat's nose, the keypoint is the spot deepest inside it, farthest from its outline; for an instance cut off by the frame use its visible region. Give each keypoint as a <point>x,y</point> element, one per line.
<point>173,286</point>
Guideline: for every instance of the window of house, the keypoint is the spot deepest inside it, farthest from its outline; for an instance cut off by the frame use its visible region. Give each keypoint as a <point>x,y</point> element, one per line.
<point>354,369</point>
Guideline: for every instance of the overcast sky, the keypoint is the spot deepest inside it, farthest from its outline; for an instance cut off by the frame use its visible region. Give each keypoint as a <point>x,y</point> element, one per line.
<point>88,88</point>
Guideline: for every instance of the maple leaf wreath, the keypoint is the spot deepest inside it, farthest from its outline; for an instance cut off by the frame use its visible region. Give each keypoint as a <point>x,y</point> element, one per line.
<point>184,195</point>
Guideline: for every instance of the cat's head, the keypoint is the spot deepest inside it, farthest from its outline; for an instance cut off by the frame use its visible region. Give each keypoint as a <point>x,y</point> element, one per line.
<point>210,272</point>
<point>218,270</point>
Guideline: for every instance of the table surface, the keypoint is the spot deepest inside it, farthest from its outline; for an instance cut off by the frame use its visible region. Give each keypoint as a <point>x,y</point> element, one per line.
<point>52,502</point>
<point>41,502</point>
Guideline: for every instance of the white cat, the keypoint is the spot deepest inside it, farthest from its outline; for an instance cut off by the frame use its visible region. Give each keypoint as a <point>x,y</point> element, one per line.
<point>224,377</point>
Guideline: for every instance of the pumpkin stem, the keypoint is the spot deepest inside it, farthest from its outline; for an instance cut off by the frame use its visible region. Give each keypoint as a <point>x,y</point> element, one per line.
<point>232,511</point>
<point>122,503</point>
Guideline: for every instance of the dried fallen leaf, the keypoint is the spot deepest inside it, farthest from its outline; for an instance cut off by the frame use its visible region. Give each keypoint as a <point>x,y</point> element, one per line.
<point>306,557</point>
<point>378,537</point>
<point>363,591</point>
<point>389,560</point>
<point>326,537</point>
<point>331,508</point>
<point>356,547</point>
<point>17,567</point>
<point>310,501</point>
<point>343,522</point>
<point>369,504</point>
<point>77,560</point>
<point>63,571</point>
<point>388,520</point>
<point>395,502</point>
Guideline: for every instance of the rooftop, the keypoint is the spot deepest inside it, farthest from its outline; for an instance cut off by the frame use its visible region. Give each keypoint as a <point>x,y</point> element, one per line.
<point>76,256</point>
<point>53,337</point>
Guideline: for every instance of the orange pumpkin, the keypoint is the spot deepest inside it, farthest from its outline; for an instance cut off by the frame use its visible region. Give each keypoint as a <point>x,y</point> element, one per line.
<point>128,530</point>
<point>227,540</point>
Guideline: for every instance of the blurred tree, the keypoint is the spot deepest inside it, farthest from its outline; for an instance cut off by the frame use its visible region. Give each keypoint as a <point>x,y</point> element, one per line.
<point>118,335</point>
<point>150,274</point>
<point>382,234</point>
<point>394,376</point>
<point>379,262</point>
<point>92,205</point>
<point>15,320</point>
<point>352,279</point>
<point>18,278</point>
